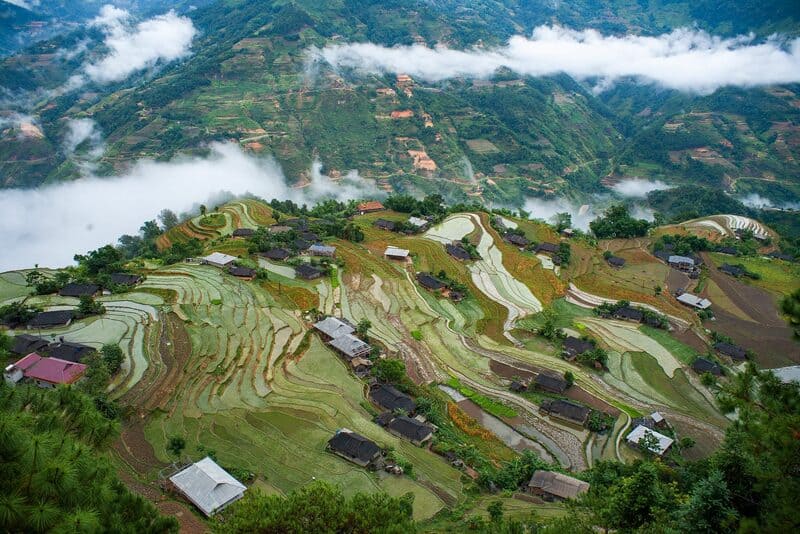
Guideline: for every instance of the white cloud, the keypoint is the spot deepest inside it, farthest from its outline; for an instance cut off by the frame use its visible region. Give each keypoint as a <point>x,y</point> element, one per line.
<point>132,48</point>
<point>754,200</point>
<point>51,224</point>
<point>20,125</point>
<point>351,186</point>
<point>685,59</point>
<point>23,3</point>
<point>638,187</point>
<point>80,131</point>
<point>581,214</point>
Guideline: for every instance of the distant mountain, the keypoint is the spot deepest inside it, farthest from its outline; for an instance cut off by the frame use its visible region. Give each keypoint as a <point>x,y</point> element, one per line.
<point>501,139</point>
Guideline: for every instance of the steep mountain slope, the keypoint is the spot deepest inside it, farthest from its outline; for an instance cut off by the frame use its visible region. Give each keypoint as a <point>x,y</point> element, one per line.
<point>249,81</point>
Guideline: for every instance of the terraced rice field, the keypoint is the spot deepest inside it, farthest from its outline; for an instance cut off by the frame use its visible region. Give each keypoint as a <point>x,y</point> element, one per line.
<point>246,393</point>
<point>489,274</point>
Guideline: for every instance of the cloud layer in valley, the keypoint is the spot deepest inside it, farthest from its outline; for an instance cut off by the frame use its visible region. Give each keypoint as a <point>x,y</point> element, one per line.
<point>51,224</point>
<point>685,59</point>
<point>638,187</point>
<point>135,47</point>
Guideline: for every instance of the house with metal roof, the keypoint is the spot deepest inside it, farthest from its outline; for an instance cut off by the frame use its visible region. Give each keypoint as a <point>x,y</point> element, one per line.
<point>322,250</point>
<point>354,447</point>
<point>396,253</point>
<point>417,222</point>
<point>350,346</point>
<point>218,259</point>
<point>44,372</point>
<point>370,206</point>
<point>662,444</point>
<point>554,486</point>
<point>208,486</point>
<point>694,301</point>
<point>24,344</point>
<point>332,327</point>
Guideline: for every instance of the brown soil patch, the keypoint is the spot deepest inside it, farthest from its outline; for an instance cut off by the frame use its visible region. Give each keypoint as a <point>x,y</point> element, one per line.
<point>133,448</point>
<point>691,338</point>
<point>579,394</point>
<point>676,280</point>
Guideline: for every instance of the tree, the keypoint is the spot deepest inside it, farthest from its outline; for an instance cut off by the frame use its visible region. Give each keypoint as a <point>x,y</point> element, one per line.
<point>709,507</point>
<point>389,370</point>
<point>707,379</point>
<point>112,357</point>
<point>790,306</point>
<point>203,209</point>
<point>168,219</point>
<point>319,507</point>
<point>17,313</point>
<point>570,378</point>
<point>175,445</point>
<point>549,329</point>
<point>649,443</point>
<point>562,221</point>
<point>363,326</point>
<point>617,222</point>
<point>88,306</point>
<point>495,510</point>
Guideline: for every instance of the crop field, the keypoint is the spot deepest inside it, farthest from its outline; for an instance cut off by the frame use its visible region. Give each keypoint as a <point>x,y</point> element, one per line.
<point>233,381</point>
<point>778,277</point>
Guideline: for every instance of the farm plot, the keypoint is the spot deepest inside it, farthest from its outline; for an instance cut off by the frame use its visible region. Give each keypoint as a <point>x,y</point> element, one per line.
<point>13,286</point>
<point>489,274</point>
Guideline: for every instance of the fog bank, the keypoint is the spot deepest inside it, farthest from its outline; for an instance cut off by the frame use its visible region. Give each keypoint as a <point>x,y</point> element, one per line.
<point>685,59</point>
<point>51,224</point>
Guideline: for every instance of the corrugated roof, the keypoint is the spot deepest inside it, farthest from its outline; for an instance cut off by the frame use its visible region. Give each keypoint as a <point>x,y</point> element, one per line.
<point>219,258</point>
<point>208,485</point>
<point>416,221</point>
<point>350,345</point>
<point>333,327</point>
<point>51,370</point>
<point>694,300</point>
<point>664,442</point>
<point>396,252</point>
<point>558,484</point>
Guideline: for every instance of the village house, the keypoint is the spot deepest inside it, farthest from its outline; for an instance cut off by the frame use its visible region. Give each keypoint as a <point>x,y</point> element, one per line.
<point>218,259</point>
<point>391,399</point>
<point>694,301</point>
<point>458,252</point>
<point>370,207</point>
<point>360,366</point>
<point>730,251</point>
<point>276,254</point>
<point>551,383</point>
<point>566,411</point>
<point>332,327</point>
<point>552,486</point>
<point>517,240</point>
<point>410,429</point>
<point>125,279</point>
<point>208,486</point>
<point>24,344</point>
<point>568,232</point>
<point>734,352</point>
<point>682,263</point>
<point>417,223</point>
<point>309,236</point>
<point>402,114</point>
<point>68,351</point>
<point>354,448</point>
<point>385,91</point>
<point>306,271</point>
<point>383,224</point>
<point>658,420</point>
<point>626,313</point>
<point>350,346</point>
<point>245,273</point>
<point>395,253</point>
<point>616,262</point>
<point>778,255</point>
<point>243,232</point>
<point>52,319</point>
<point>456,296</point>
<point>547,248</point>
<point>79,290</point>
<point>279,229</point>
<point>300,245</point>
<point>428,281</point>
<point>660,447</point>
<point>519,386</point>
<point>298,223</point>
<point>322,250</point>
<point>788,375</point>
<point>732,270</point>
<point>702,365</point>
<point>44,372</point>
<point>572,347</point>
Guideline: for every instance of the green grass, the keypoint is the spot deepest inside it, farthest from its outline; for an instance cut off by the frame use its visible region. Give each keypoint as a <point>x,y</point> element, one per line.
<point>416,334</point>
<point>213,220</point>
<point>490,406</point>
<point>683,352</point>
<point>777,277</point>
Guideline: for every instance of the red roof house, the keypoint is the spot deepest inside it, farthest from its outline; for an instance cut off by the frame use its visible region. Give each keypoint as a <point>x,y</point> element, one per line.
<point>370,206</point>
<point>46,372</point>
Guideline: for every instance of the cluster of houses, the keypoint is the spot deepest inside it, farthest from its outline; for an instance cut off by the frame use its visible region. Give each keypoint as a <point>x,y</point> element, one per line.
<point>339,334</point>
<point>431,283</point>
<point>44,363</point>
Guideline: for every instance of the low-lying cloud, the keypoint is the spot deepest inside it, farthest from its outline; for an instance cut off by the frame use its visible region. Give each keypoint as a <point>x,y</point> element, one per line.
<point>685,59</point>
<point>51,224</point>
<point>638,187</point>
<point>581,214</point>
<point>135,47</point>
<point>754,200</point>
